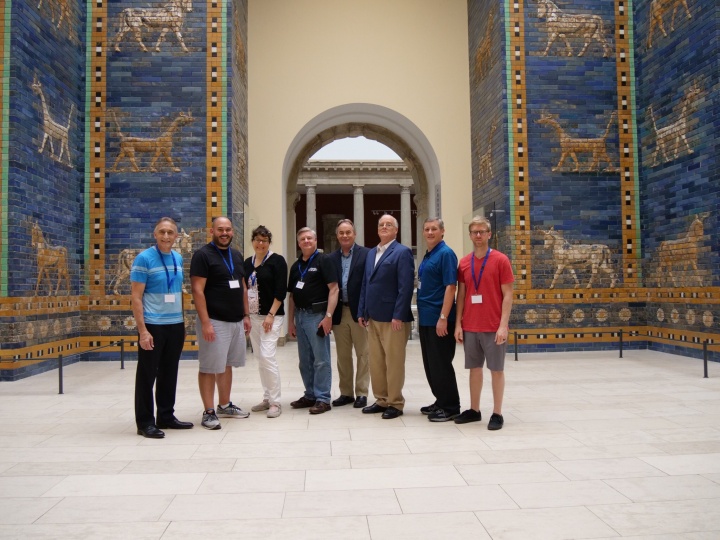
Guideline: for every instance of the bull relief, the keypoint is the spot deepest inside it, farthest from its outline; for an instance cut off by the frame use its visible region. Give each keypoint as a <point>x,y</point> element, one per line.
<point>658,9</point>
<point>59,9</point>
<point>183,245</point>
<point>572,146</point>
<point>483,54</point>
<point>584,26</point>
<point>52,129</point>
<point>170,17</point>
<point>159,147</point>
<point>50,260</point>
<point>485,170</point>
<point>671,140</point>
<point>594,257</point>
<point>681,255</point>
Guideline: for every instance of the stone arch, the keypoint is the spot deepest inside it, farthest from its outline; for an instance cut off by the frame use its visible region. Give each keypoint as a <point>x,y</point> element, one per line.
<point>373,122</point>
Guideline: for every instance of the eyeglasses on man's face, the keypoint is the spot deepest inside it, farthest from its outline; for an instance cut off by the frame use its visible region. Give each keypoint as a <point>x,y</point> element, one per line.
<point>479,232</point>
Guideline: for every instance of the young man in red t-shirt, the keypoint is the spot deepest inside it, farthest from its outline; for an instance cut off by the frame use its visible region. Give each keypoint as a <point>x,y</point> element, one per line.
<point>484,301</point>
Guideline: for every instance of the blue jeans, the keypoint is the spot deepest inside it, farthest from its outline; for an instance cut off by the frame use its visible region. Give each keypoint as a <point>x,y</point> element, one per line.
<point>314,353</point>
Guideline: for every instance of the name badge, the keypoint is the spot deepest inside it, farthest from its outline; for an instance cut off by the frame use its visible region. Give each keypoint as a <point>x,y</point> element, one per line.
<point>299,284</point>
<point>418,285</point>
<point>476,299</point>
<point>252,294</point>
<point>169,298</point>
<point>234,284</point>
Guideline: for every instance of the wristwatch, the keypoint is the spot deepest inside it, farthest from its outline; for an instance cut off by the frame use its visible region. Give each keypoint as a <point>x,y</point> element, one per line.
<point>328,314</point>
<point>442,317</point>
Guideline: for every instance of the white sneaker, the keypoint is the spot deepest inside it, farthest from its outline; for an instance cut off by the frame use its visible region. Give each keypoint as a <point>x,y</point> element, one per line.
<point>264,405</point>
<point>210,420</point>
<point>274,411</point>
<point>231,411</point>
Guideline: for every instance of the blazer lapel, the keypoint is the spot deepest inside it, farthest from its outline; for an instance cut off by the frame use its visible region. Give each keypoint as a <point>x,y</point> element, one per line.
<point>383,257</point>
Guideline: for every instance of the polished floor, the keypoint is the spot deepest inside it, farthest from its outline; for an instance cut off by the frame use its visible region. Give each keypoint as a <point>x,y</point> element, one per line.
<point>593,447</point>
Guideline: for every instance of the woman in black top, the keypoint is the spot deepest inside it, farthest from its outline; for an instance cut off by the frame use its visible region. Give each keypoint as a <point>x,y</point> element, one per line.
<point>266,276</point>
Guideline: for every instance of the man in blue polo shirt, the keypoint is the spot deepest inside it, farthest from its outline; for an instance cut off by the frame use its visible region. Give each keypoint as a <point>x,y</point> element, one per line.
<point>437,281</point>
<point>157,304</point>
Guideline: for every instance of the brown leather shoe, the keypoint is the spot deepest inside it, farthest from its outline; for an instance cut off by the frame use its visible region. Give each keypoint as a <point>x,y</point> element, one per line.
<point>302,403</point>
<point>319,407</point>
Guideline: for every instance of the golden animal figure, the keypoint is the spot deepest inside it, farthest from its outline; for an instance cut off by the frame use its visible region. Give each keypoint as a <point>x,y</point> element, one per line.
<point>482,54</point>
<point>53,129</point>
<point>681,253</point>
<point>597,257</point>
<point>561,25</point>
<point>170,17</point>
<point>63,9</point>
<point>658,8</point>
<point>49,258</point>
<point>485,170</point>
<point>668,139</point>
<point>571,146</point>
<point>183,245</point>
<point>159,146</point>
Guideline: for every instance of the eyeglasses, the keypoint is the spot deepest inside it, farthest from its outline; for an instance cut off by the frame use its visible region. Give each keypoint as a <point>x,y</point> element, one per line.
<point>261,240</point>
<point>386,226</point>
<point>478,233</point>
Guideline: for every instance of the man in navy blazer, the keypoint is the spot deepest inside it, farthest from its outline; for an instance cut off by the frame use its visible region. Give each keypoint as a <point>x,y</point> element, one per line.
<point>349,262</point>
<point>384,309</point>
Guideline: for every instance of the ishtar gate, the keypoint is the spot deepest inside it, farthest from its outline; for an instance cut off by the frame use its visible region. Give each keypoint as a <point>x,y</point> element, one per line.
<point>585,130</point>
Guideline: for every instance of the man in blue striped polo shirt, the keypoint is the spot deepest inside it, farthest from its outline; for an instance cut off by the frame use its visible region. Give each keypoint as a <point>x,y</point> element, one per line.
<point>157,303</point>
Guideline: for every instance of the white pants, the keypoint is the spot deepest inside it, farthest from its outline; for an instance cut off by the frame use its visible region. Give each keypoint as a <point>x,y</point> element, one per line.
<point>264,345</point>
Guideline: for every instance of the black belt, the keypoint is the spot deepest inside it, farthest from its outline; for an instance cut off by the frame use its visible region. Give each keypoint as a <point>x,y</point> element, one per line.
<point>317,307</point>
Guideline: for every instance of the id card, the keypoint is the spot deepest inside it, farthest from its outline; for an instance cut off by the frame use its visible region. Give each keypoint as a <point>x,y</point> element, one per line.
<point>252,294</point>
<point>169,298</point>
<point>418,285</point>
<point>476,298</point>
<point>299,284</point>
<point>234,284</point>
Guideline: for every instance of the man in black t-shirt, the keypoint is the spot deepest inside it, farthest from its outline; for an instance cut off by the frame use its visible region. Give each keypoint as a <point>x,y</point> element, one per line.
<point>221,301</point>
<point>313,295</point>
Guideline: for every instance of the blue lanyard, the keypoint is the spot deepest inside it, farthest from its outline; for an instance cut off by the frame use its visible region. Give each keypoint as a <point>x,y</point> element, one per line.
<point>231,266</point>
<point>253,276</point>
<point>426,257</point>
<point>302,274</point>
<point>167,272</point>
<point>482,269</point>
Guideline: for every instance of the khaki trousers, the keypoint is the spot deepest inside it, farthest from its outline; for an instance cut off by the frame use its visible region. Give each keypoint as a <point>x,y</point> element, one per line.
<point>387,362</point>
<point>348,334</point>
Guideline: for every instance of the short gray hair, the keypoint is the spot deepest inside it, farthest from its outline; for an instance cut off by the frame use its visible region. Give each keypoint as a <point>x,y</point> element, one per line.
<point>303,231</point>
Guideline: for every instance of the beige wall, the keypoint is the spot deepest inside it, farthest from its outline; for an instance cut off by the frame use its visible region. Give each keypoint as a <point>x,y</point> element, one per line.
<point>308,56</point>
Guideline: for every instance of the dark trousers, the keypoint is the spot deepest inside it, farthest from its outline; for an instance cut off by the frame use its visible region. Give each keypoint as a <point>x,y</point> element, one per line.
<point>158,367</point>
<point>438,354</point>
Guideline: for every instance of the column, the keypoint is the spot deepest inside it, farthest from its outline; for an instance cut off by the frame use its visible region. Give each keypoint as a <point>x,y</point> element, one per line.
<point>359,214</point>
<point>405,215</point>
<point>310,207</point>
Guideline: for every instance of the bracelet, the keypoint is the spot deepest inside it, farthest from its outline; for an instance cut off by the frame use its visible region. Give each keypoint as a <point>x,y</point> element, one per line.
<point>271,315</point>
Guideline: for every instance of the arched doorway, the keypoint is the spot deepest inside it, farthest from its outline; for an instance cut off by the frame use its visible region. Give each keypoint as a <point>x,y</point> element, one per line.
<point>375,123</point>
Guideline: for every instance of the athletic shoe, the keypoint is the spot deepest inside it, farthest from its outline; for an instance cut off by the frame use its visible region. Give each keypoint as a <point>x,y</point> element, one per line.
<point>274,411</point>
<point>231,411</point>
<point>429,409</point>
<point>264,405</point>
<point>496,422</point>
<point>471,415</point>
<point>441,415</point>
<point>210,420</point>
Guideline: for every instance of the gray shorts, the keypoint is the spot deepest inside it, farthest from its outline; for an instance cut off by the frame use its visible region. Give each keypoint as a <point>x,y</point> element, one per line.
<point>480,346</point>
<point>228,349</point>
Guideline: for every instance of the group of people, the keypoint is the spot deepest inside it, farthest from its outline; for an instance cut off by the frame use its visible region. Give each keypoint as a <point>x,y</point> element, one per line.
<point>362,295</point>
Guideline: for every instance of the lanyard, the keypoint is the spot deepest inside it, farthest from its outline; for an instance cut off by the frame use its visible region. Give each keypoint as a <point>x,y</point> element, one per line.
<point>167,272</point>
<point>482,269</point>
<point>426,257</point>
<point>302,274</point>
<point>253,276</point>
<point>231,266</point>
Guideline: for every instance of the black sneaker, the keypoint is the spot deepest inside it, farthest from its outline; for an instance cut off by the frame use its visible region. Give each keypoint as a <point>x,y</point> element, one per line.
<point>471,415</point>
<point>496,422</point>
<point>441,415</point>
<point>429,409</point>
